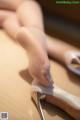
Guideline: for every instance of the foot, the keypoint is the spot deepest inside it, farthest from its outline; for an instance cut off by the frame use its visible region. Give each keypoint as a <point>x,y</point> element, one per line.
<point>59,97</point>
<point>34,41</point>
<point>72,61</point>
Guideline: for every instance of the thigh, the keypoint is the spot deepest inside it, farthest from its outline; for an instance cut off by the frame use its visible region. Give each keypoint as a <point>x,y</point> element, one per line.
<point>10,4</point>
<point>11,25</point>
<point>3,15</point>
<point>29,13</point>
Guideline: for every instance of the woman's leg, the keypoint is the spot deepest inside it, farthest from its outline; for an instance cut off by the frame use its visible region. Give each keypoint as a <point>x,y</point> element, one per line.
<point>9,4</point>
<point>3,15</point>
<point>11,25</point>
<point>30,15</point>
<point>34,33</point>
<point>39,63</point>
<point>65,53</point>
<point>57,48</point>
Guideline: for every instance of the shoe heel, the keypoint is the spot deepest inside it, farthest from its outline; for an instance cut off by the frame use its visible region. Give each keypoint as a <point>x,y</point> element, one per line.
<point>36,97</point>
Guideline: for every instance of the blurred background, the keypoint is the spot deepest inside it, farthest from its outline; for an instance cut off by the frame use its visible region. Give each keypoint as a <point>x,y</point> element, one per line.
<point>62,20</point>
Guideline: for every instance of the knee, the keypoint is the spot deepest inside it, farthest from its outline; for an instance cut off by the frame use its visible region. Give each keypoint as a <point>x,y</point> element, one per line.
<point>26,3</point>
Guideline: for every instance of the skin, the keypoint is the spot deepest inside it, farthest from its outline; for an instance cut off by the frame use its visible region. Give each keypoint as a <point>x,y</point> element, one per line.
<point>31,37</point>
<point>57,49</point>
<point>27,29</point>
<point>10,4</point>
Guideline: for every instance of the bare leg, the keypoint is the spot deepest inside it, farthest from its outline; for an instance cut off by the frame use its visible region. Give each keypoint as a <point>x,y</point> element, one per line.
<point>65,53</point>
<point>34,34</point>
<point>3,15</point>
<point>10,4</point>
<point>57,48</point>
<point>39,63</point>
<point>30,15</point>
<point>11,25</point>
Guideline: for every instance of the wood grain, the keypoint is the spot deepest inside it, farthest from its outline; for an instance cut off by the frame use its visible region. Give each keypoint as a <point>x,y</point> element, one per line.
<point>15,86</point>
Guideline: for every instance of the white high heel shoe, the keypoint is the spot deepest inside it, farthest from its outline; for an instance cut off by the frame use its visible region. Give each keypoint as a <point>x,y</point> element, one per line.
<point>72,60</point>
<point>59,97</point>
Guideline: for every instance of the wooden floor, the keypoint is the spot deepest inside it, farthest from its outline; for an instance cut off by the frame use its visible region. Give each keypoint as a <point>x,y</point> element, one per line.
<point>15,84</point>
